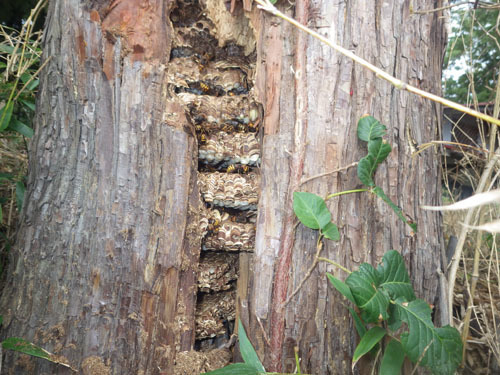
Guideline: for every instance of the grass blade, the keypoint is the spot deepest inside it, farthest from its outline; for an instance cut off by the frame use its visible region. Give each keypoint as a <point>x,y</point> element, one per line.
<point>247,351</point>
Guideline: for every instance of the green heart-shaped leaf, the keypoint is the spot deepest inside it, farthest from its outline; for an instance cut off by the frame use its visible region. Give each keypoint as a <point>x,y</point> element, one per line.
<point>439,349</point>
<point>368,341</point>
<point>369,128</point>
<point>331,231</point>
<point>311,210</point>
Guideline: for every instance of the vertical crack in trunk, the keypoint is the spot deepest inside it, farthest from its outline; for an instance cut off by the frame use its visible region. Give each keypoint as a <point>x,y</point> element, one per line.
<point>283,271</point>
<point>211,76</point>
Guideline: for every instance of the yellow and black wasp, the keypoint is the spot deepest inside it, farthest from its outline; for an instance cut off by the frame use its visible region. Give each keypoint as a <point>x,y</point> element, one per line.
<point>213,226</point>
<point>203,61</point>
<point>204,87</point>
<point>253,126</point>
<point>202,138</point>
<point>238,168</point>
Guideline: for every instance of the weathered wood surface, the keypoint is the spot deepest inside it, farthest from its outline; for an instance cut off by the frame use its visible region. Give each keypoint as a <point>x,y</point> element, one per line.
<point>313,99</point>
<point>103,274</point>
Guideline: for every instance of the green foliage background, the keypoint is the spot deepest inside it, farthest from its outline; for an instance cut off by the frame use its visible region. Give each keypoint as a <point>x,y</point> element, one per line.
<point>13,12</point>
<point>475,42</point>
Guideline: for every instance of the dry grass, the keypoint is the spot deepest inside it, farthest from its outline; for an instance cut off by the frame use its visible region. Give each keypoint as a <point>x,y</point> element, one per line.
<point>476,288</point>
<point>482,355</point>
<point>20,57</point>
<point>483,352</point>
<point>13,160</point>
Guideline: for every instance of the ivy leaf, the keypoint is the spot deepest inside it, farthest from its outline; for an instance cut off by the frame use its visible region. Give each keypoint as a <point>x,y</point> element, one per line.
<point>331,231</point>
<point>393,359</point>
<point>369,128</point>
<point>380,193</point>
<point>379,150</point>
<point>394,322</point>
<point>377,153</point>
<point>365,170</point>
<point>371,288</point>
<point>341,287</point>
<point>394,277</point>
<point>368,341</point>
<point>358,323</point>
<point>442,346</point>
<point>372,300</point>
<point>247,351</point>
<point>311,210</point>
<point>235,369</point>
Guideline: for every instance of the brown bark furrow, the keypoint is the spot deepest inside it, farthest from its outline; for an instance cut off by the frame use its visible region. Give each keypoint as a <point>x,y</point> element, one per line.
<point>338,93</point>
<point>105,261</point>
<point>105,272</point>
<point>282,272</point>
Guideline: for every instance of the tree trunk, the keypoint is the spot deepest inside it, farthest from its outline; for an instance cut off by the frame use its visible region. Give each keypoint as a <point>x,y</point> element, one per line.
<point>102,262</point>
<point>313,99</point>
<point>105,271</point>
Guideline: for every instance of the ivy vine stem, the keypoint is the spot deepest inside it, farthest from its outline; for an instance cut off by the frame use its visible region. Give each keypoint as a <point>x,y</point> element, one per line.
<point>267,6</point>
<point>345,192</point>
<point>335,264</point>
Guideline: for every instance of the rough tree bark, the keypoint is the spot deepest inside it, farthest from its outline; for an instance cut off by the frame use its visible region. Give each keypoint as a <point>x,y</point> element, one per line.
<point>313,99</point>
<point>104,270</point>
<point>101,271</point>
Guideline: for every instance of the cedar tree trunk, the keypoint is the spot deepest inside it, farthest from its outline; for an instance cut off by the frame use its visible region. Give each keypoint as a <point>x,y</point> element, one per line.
<point>96,275</point>
<point>313,99</point>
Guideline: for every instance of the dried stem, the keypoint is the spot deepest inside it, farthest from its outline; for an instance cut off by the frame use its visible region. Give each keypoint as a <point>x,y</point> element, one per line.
<point>264,334</point>
<point>439,9</point>
<point>268,7</point>
<point>309,272</point>
<point>328,173</point>
<point>483,182</point>
<point>472,292</point>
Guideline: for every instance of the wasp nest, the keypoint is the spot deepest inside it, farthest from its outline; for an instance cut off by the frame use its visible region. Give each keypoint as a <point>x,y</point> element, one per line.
<point>226,232</point>
<point>233,191</point>
<point>217,271</point>
<point>212,311</point>
<point>210,77</point>
<point>231,237</point>
<point>228,113</point>
<point>185,76</point>
<point>221,147</point>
